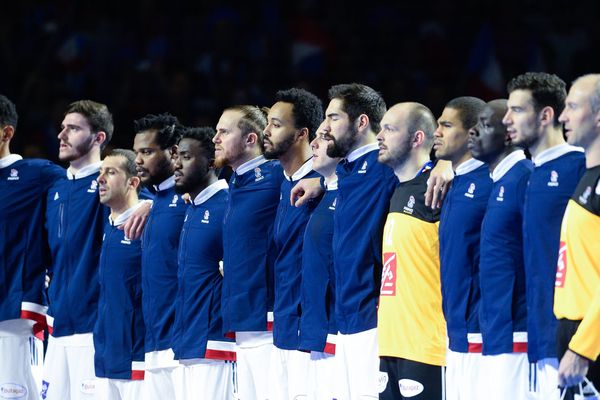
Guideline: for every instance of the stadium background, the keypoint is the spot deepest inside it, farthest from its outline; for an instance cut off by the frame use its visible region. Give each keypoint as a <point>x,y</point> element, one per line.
<point>194,59</point>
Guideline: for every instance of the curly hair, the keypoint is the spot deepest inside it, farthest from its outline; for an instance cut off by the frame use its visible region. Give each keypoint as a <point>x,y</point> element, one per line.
<point>308,109</point>
<point>167,127</point>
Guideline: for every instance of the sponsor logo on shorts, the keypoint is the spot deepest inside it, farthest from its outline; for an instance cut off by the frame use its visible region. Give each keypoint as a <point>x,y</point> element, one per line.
<point>12,391</point>
<point>410,388</point>
<point>388,275</point>
<point>88,386</point>
<point>44,391</point>
<point>561,267</point>
<point>382,381</point>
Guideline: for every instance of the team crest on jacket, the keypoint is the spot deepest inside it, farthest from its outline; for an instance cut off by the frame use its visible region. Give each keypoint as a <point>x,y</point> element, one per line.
<point>553,182</point>
<point>408,208</point>
<point>14,175</point>
<point>583,199</point>
<point>258,176</point>
<point>500,194</point>
<point>470,191</point>
<point>206,217</point>
<point>93,186</point>
<point>363,169</point>
<point>174,201</point>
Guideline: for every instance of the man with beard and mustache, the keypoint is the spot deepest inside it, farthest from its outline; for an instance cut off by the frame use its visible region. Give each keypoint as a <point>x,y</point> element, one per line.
<point>198,340</point>
<point>503,371</point>
<point>535,101</point>
<point>249,251</point>
<point>155,146</point>
<point>292,123</point>
<point>412,355</point>
<point>23,186</point>
<point>364,190</point>
<point>74,222</point>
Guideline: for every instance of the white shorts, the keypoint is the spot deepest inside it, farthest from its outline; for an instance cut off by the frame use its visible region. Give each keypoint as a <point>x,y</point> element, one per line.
<point>17,347</point>
<point>119,389</point>
<point>462,376</point>
<point>288,374</point>
<point>253,352</point>
<point>505,376</point>
<point>357,365</point>
<point>321,377</point>
<point>69,368</point>
<point>162,372</point>
<point>543,380</point>
<point>205,379</point>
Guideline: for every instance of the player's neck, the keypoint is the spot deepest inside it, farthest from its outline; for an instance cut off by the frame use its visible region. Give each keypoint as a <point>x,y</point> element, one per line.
<point>295,158</point>
<point>460,159</point>
<point>592,154</point>
<point>123,205</point>
<point>4,151</point>
<point>90,158</point>
<point>501,156</point>
<point>249,155</point>
<point>363,140</point>
<point>210,179</point>
<point>409,169</point>
<point>552,138</point>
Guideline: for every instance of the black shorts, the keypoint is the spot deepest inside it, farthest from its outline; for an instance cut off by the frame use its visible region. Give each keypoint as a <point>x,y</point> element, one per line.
<point>413,380</point>
<point>566,330</point>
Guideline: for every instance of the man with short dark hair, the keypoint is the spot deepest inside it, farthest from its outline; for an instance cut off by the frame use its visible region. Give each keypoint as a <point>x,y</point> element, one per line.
<point>460,233</point>
<point>155,146</point>
<point>119,330</point>
<point>364,190</point>
<point>199,343</point>
<point>291,124</point>
<point>503,310</point>
<point>23,186</point>
<point>577,284</point>
<point>535,102</point>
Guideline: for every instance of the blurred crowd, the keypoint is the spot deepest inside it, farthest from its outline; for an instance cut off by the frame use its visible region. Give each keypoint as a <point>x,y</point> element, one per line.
<point>194,59</point>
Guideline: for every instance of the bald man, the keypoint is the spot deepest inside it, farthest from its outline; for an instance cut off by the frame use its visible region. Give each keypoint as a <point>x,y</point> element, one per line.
<point>412,366</point>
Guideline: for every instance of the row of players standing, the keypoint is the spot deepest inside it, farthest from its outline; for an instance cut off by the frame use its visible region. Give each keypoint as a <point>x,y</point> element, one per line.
<point>341,259</point>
